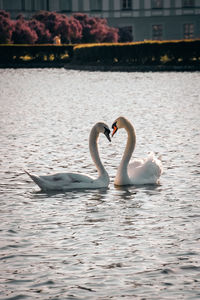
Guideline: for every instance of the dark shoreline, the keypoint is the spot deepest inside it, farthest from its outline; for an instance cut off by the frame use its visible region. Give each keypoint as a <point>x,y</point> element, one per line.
<point>131,68</point>
<point>103,67</point>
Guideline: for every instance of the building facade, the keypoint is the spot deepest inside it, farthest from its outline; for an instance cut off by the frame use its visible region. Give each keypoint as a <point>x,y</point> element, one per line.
<point>146,19</point>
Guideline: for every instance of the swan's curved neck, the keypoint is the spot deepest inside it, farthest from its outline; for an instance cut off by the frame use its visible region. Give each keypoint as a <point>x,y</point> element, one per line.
<point>94,134</point>
<point>130,145</point>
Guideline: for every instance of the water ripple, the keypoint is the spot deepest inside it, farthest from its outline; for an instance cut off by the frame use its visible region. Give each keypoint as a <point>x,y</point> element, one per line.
<point>136,242</point>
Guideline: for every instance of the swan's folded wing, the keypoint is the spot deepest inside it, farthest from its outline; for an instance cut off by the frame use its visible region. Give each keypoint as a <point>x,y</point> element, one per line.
<point>64,179</point>
<point>60,180</point>
<point>133,165</point>
<point>74,177</point>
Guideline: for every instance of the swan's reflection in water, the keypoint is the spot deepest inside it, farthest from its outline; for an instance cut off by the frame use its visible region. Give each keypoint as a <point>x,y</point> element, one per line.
<point>127,195</point>
<point>126,191</point>
<point>134,189</point>
<point>99,196</point>
<point>71,193</point>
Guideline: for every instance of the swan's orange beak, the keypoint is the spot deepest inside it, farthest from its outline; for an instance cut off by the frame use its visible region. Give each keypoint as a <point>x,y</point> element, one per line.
<point>114,130</point>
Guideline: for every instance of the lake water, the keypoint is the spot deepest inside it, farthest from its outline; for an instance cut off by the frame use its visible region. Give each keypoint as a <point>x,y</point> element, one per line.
<point>118,243</point>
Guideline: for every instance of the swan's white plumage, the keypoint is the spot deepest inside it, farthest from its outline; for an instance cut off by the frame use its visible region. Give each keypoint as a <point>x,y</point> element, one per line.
<point>70,181</point>
<point>143,171</point>
<point>61,181</point>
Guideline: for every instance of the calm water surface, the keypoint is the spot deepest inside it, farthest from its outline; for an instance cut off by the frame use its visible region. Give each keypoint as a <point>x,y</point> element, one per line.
<point>118,243</point>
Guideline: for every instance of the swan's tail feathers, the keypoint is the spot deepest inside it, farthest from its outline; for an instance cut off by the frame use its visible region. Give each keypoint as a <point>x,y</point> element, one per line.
<point>36,179</point>
<point>155,167</point>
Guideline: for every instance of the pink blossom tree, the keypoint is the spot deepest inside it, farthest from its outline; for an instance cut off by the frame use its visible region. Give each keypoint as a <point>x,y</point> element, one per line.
<point>44,26</point>
<point>22,33</point>
<point>96,30</point>
<point>69,29</point>
<point>125,35</point>
<point>44,36</point>
<point>75,30</point>
<point>6,27</point>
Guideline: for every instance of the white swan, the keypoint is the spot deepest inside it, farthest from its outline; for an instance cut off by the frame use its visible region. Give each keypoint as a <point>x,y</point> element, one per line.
<point>70,181</point>
<point>145,171</point>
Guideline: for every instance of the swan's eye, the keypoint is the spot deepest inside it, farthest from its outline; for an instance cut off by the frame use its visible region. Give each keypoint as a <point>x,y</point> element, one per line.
<point>107,133</point>
<point>107,130</point>
<point>114,125</point>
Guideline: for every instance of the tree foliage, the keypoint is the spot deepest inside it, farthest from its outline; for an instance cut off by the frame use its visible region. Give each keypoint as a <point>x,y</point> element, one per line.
<point>125,35</point>
<point>43,34</point>
<point>6,27</point>
<point>96,30</point>
<point>22,32</point>
<point>44,26</point>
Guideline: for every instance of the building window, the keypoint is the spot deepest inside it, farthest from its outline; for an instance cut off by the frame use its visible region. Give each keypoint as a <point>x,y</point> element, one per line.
<point>157,32</point>
<point>111,4</point>
<point>157,4</point>
<point>28,6</point>
<point>126,4</point>
<point>80,5</point>
<point>96,5</point>
<point>188,31</point>
<point>12,5</point>
<point>65,5</point>
<point>22,5</point>
<point>47,4</point>
<point>39,5</point>
<point>188,3</point>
